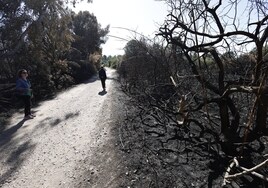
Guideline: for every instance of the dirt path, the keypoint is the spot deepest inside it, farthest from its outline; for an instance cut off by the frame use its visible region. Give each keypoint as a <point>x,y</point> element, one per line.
<point>69,143</point>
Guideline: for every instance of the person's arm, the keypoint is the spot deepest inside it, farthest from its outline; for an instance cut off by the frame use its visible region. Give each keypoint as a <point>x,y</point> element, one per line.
<point>105,76</point>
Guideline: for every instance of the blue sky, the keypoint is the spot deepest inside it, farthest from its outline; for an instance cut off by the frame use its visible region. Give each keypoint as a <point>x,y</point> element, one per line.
<point>142,16</point>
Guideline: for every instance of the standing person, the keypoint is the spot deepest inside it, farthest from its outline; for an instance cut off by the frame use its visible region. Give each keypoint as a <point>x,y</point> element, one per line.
<point>102,76</point>
<point>24,91</point>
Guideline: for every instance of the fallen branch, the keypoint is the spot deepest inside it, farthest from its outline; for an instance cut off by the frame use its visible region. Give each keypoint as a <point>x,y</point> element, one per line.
<point>227,176</point>
<point>233,163</point>
<point>237,175</point>
<point>265,178</point>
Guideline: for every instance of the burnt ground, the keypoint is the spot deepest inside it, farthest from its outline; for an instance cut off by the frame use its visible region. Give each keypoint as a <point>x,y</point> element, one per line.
<point>158,158</point>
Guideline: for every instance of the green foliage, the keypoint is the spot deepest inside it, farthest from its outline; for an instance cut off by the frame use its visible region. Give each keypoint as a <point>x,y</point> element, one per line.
<point>88,33</point>
<point>112,61</point>
<point>42,82</point>
<point>48,40</point>
<point>81,70</point>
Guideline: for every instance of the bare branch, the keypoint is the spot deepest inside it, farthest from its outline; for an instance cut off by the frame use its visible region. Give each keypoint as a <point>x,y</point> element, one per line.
<point>246,171</point>
<point>239,88</point>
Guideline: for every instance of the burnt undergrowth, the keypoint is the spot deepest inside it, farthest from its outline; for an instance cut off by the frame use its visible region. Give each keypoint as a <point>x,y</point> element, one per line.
<point>166,150</point>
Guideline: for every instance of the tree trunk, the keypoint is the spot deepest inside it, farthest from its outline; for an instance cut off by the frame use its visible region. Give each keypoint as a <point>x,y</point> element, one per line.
<point>235,115</point>
<point>225,123</point>
<point>261,113</point>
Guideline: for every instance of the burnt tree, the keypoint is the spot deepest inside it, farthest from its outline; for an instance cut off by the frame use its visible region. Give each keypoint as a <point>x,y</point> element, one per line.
<point>204,30</point>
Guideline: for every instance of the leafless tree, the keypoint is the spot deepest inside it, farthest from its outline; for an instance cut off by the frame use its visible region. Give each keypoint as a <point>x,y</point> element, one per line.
<point>204,30</point>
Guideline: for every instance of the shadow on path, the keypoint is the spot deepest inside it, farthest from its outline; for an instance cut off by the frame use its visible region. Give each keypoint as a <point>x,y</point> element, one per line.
<point>17,155</point>
<point>67,116</point>
<point>16,160</point>
<point>6,135</point>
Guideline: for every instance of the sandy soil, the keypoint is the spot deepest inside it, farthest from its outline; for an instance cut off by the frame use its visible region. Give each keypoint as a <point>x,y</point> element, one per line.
<point>70,143</point>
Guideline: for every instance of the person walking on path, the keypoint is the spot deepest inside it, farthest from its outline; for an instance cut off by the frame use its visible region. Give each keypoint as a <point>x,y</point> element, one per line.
<point>103,77</point>
<point>24,91</point>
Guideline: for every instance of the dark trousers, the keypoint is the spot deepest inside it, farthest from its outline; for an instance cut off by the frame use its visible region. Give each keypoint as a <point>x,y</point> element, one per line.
<point>103,83</point>
<point>27,104</point>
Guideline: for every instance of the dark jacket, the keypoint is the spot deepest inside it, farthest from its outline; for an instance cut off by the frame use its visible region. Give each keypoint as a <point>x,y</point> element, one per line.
<point>102,74</point>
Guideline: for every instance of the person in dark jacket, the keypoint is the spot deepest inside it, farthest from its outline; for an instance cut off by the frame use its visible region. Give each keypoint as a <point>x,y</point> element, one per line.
<point>24,91</point>
<point>103,77</point>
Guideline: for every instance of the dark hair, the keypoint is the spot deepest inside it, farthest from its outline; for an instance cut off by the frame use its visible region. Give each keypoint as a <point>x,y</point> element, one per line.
<point>20,72</point>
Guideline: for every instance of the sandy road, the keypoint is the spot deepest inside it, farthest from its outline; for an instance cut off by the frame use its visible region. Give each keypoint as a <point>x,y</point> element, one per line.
<point>68,144</point>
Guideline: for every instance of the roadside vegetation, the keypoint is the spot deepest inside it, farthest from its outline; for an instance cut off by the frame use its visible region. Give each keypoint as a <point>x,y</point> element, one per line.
<point>58,47</point>
<point>200,96</point>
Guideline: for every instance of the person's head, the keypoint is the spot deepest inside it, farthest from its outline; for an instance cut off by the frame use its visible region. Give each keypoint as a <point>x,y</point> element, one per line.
<point>22,73</point>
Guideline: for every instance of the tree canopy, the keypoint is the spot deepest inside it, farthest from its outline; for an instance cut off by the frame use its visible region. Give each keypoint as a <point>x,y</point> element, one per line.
<point>48,39</point>
<point>88,33</point>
